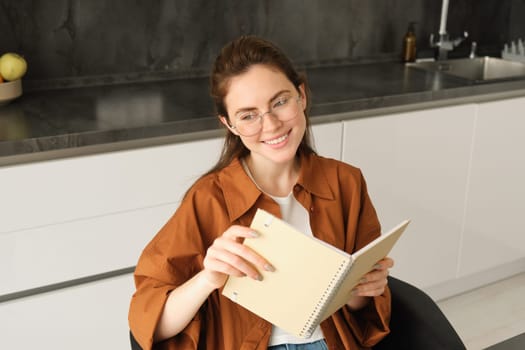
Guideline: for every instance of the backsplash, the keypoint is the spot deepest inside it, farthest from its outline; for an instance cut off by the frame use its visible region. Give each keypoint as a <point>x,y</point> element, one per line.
<point>72,39</point>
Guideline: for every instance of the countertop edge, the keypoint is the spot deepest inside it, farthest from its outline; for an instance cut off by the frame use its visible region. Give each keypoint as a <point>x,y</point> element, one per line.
<point>207,128</point>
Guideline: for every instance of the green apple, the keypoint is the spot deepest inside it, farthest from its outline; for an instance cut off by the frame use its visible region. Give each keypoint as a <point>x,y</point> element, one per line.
<point>12,66</point>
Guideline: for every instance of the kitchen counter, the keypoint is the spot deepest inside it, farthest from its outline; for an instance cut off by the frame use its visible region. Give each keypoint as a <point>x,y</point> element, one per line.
<point>59,122</point>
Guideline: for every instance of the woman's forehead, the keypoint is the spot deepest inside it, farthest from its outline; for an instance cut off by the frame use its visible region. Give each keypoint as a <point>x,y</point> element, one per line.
<point>259,84</point>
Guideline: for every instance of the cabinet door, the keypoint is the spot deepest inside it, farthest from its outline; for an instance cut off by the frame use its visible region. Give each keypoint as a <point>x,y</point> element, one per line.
<point>327,139</point>
<point>494,226</point>
<point>416,167</point>
<point>89,316</point>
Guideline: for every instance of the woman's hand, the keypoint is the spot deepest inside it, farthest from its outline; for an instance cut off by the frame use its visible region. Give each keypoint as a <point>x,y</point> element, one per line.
<point>372,284</point>
<point>228,256</point>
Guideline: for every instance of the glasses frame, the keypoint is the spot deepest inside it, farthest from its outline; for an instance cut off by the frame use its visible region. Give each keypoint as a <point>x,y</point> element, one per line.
<point>259,117</point>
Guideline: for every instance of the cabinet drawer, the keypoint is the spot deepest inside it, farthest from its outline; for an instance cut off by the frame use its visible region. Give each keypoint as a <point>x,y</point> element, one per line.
<point>63,190</point>
<point>89,316</point>
<point>57,253</point>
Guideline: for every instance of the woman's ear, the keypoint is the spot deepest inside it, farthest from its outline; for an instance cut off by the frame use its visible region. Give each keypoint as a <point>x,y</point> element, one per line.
<point>224,120</point>
<point>303,95</point>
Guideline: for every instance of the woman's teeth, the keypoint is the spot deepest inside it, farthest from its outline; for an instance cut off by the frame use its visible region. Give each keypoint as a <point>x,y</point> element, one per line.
<point>276,141</point>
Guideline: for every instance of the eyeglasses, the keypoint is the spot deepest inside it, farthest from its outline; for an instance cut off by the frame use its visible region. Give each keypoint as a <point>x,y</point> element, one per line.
<point>284,108</point>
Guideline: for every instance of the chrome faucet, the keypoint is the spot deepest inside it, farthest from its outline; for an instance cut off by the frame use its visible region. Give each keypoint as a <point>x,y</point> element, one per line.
<point>444,43</point>
<point>473,47</point>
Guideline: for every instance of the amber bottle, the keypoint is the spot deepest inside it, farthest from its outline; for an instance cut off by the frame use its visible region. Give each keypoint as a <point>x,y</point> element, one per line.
<point>409,44</point>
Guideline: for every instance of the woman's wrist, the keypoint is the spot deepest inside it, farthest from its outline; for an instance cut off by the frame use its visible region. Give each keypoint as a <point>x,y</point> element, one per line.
<point>357,302</point>
<point>202,280</point>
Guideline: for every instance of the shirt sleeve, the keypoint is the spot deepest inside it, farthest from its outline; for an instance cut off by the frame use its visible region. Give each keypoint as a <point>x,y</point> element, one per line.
<point>370,324</point>
<point>172,257</point>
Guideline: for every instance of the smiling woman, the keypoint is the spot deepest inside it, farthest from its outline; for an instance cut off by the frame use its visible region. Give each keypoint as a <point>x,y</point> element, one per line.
<point>267,162</point>
<point>272,137</point>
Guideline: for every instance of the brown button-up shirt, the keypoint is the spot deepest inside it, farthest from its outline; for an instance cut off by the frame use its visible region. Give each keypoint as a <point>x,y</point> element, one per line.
<point>341,214</point>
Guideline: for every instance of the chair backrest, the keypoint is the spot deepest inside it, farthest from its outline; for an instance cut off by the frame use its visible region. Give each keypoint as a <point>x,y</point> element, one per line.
<point>134,344</point>
<point>417,322</point>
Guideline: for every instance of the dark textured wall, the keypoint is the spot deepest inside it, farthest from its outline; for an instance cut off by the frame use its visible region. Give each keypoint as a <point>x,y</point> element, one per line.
<point>78,38</point>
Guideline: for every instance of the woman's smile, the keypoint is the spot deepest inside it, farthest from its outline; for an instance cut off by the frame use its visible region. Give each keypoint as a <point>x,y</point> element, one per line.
<point>277,141</point>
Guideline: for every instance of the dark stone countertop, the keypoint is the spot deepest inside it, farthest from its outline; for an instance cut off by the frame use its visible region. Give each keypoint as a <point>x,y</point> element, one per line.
<point>60,122</point>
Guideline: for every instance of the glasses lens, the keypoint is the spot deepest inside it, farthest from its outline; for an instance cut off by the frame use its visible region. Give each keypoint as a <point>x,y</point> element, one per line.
<point>248,125</point>
<point>284,109</point>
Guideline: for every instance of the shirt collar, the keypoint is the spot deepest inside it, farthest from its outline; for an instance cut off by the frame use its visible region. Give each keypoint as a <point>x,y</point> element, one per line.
<point>241,193</point>
<point>313,178</point>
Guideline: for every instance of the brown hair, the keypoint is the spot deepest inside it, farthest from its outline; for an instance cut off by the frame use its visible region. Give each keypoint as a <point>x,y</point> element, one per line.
<point>236,58</point>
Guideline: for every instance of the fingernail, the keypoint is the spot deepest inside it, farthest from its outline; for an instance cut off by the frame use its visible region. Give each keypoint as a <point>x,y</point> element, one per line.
<point>362,280</point>
<point>259,277</point>
<point>253,234</point>
<point>353,292</point>
<point>377,266</point>
<point>269,267</point>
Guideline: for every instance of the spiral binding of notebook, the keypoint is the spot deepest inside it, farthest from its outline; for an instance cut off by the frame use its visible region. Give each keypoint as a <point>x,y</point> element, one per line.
<point>322,304</point>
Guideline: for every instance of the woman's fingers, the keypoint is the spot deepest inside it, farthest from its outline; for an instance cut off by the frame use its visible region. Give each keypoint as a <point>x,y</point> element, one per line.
<point>374,282</point>
<point>370,289</point>
<point>234,260</point>
<point>385,263</point>
<point>227,254</point>
<point>224,268</point>
<point>242,251</point>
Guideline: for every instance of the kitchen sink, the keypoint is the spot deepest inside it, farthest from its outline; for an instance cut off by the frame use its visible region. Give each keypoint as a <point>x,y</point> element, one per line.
<point>479,69</point>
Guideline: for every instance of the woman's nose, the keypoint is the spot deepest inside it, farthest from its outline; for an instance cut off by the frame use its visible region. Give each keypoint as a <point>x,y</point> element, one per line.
<point>270,121</point>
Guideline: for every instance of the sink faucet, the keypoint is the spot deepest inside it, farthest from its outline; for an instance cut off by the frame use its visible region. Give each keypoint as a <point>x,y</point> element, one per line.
<point>473,47</point>
<point>444,43</point>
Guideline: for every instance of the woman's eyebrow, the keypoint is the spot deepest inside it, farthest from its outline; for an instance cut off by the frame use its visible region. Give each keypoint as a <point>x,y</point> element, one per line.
<point>278,94</point>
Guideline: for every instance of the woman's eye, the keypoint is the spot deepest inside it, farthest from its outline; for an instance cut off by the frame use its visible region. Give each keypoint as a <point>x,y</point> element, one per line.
<point>247,117</point>
<point>280,102</point>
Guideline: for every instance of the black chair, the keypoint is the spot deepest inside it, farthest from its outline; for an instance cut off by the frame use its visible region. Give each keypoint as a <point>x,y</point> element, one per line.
<point>134,344</point>
<point>416,323</point>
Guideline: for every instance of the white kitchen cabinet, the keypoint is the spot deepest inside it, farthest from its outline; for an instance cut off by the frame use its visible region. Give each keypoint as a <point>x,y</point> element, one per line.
<point>75,217</point>
<point>63,190</point>
<point>89,316</point>
<point>416,167</point>
<point>61,252</point>
<point>327,139</point>
<point>494,227</point>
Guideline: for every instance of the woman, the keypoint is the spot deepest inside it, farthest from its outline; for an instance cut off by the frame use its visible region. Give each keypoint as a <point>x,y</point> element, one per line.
<point>267,162</point>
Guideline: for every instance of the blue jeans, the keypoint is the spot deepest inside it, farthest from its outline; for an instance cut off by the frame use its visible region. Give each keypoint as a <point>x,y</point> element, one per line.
<point>316,345</point>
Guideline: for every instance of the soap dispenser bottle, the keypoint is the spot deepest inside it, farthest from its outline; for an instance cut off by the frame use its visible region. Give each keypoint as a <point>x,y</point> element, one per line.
<point>409,44</point>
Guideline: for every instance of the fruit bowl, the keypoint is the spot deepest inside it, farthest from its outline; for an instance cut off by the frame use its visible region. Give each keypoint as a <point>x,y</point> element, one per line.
<point>9,91</point>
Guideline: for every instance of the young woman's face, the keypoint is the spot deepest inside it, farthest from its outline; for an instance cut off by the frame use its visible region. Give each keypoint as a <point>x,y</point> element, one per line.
<point>262,89</point>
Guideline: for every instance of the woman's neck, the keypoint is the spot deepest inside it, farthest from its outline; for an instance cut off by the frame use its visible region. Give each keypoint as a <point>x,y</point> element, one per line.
<point>274,179</point>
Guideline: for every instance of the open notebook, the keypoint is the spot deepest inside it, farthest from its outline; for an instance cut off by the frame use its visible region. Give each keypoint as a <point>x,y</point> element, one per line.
<point>312,279</point>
